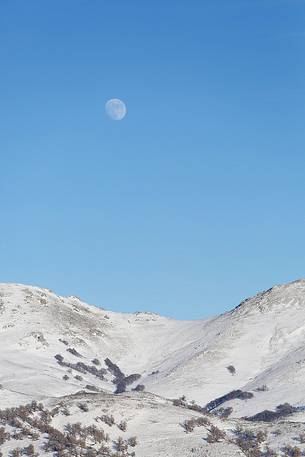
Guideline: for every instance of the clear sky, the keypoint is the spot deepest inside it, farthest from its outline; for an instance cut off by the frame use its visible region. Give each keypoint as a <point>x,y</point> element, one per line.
<point>196,199</point>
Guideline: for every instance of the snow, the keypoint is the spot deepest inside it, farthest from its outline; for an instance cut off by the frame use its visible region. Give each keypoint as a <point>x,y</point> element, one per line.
<point>263,338</point>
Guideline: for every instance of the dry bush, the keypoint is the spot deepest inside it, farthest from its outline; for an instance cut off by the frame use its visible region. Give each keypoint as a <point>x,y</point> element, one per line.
<point>17,452</point>
<point>4,436</point>
<point>73,351</point>
<point>96,361</point>
<point>301,437</point>
<point>120,445</point>
<point>262,388</point>
<point>270,452</point>
<point>109,420</point>
<point>215,435</point>
<point>190,424</point>
<point>249,442</point>
<point>231,369</point>
<point>139,388</point>
<point>83,407</point>
<point>91,387</point>
<point>234,394</point>
<point>122,426</point>
<point>292,451</point>
<point>132,441</point>
<point>224,413</point>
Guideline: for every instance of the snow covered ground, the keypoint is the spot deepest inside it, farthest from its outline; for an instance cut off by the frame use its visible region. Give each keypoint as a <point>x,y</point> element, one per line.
<point>262,338</point>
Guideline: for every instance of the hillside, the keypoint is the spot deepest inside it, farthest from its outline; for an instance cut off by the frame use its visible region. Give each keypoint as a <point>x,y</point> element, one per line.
<point>55,348</point>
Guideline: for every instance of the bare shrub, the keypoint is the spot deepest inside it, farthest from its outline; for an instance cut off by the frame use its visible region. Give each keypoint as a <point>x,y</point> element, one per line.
<point>262,388</point>
<point>224,413</point>
<point>139,388</point>
<point>190,424</point>
<point>29,450</point>
<point>131,378</point>
<point>249,442</point>
<point>231,369</point>
<point>17,452</point>
<point>59,358</point>
<point>120,445</point>
<point>291,451</point>
<point>215,435</point>
<point>132,441</point>
<point>121,387</point>
<point>301,437</point>
<point>114,369</point>
<point>178,402</point>
<point>73,351</point>
<point>270,452</point>
<point>64,342</point>
<point>122,426</point>
<point>109,420</point>
<point>235,394</point>
<point>92,388</point>
<point>268,416</point>
<point>83,407</point>
<point>4,436</point>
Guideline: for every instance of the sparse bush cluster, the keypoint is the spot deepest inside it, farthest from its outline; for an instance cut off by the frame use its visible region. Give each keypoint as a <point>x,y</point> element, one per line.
<point>292,451</point>
<point>190,424</point>
<point>215,435</point>
<point>231,369</point>
<point>262,388</point>
<point>120,379</point>
<point>153,373</point>
<point>235,394</point>
<point>73,351</point>
<point>122,445</point>
<point>224,413</point>
<point>123,383</point>
<point>182,402</point>
<point>114,369</point>
<point>81,367</point>
<point>96,361</point>
<point>34,421</point>
<point>122,426</point>
<point>27,450</point>
<point>249,442</point>
<point>4,436</point>
<point>107,419</point>
<point>268,416</point>
<point>139,388</point>
<point>83,407</point>
<point>77,431</point>
<point>91,387</point>
<point>64,342</point>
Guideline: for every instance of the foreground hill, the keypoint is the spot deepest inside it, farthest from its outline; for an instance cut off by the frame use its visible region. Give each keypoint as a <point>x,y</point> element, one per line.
<point>59,349</point>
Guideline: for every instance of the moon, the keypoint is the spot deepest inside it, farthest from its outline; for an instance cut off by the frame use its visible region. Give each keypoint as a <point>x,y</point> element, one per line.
<point>116,109</point>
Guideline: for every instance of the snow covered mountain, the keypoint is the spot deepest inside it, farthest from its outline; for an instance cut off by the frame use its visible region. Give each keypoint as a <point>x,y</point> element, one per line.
<point>263,339</point>
<point>55,347</point>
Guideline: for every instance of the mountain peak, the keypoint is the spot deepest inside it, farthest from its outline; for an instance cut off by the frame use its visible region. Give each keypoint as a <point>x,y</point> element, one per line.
<point>278,296</point>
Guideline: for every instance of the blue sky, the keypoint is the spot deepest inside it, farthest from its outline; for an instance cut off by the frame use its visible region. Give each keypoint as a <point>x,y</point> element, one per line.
<point>196,199</point>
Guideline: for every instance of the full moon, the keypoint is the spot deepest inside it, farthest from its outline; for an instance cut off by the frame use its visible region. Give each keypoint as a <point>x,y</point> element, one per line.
<point>115,109</point>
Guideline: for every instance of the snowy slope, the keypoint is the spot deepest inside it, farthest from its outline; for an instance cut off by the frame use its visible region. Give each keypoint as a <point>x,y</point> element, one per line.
<point>263,339</point>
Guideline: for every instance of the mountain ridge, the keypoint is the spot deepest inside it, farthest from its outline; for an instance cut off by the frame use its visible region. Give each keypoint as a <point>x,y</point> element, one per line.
<point>88,365</point>
<point>261,339</point>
